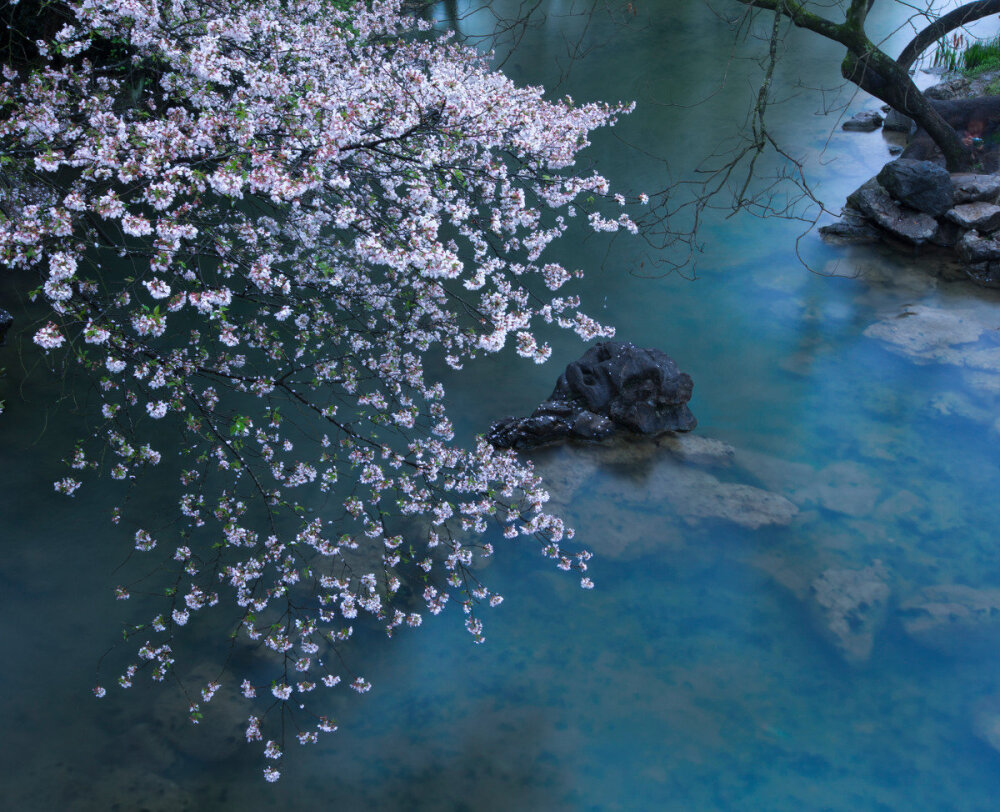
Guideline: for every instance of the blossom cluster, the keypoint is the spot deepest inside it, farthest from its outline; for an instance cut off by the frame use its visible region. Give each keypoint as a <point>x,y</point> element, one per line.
<point>258,240</point>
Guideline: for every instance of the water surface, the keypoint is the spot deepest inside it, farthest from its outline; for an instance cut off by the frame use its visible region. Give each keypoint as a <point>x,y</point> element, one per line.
<point>701,673</point>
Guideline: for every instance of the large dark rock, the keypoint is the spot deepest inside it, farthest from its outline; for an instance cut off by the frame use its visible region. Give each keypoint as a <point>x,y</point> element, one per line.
<point>615,387</point>
<point>921,185</point>
<point>6,320</point>
<point>874,202</point>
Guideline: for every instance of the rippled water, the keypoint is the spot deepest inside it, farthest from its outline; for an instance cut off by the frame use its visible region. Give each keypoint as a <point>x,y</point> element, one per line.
<point>757,636</point>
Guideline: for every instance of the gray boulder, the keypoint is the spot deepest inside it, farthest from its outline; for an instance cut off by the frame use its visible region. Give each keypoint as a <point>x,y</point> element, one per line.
<point>874,202</point>
<point>921,185</point>
<point>956,88</point>
<point>980,216</point>
<point>986,720</point>
<point>865,122</point>
<point>613,387</point>
<point>974,248</point>
<point>969,187</point>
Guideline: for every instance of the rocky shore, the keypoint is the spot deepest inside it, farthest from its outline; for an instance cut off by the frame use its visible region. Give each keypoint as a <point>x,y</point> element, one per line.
<point>915,202</point>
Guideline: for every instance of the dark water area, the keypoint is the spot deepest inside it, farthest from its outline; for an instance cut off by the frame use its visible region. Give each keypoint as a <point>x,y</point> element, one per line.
<point>797,606</point>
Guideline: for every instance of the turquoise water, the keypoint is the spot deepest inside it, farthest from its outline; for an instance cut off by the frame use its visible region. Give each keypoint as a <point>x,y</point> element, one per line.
<point>854,410</point>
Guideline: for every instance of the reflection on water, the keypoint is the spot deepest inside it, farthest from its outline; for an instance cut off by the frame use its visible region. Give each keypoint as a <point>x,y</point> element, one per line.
<point>797,607</point>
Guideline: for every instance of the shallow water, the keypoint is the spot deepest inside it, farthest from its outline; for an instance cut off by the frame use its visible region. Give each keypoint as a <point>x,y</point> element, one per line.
<point>857,439</point>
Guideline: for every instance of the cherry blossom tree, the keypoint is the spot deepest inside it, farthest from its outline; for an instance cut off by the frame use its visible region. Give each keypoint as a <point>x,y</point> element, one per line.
<point>265,229</point>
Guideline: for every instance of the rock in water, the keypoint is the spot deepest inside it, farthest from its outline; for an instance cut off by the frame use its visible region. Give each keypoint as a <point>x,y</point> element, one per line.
<point>986,720</point>
<point>640,389</point>
<point>954,619</point>
<point>897,122</point>
<point>864,122</point>
<point>615,387</point>
<point>852,605</point>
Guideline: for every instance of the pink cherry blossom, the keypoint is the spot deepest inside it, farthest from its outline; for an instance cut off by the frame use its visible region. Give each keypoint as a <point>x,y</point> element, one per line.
<point>303,213</point>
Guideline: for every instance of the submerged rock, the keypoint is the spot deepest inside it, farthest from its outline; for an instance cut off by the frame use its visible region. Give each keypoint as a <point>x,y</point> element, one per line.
<point>843,487</point>
<point>985,274</point>
<point>954,619</point>
<point>615,387</point>
<point>706,497</point>
<point>958,404</point>
<point>852,606</point>
<point>986,720</point>
<point>948,335</point>
<point>693,448</point>
<point>846,606</point>
<point>661,489</point>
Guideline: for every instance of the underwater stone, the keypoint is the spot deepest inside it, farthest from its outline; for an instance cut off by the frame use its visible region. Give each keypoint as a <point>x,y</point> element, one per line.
<point>953,619</point>
<point>897,122</point>
<point>986,720</point>
<point>852,605</point>
<point>944,335</point>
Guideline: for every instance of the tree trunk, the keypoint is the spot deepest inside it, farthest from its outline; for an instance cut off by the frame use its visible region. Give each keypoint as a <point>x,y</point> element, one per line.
<point>877,73</point>
<point>880,76</point>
